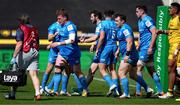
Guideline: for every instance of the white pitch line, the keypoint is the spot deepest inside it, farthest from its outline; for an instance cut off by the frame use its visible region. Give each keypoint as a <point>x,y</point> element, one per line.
<point>102,80</point>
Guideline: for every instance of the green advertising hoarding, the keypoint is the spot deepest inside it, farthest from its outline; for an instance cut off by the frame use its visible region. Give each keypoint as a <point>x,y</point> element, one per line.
<point>6,55</point>
<point>161,55</point>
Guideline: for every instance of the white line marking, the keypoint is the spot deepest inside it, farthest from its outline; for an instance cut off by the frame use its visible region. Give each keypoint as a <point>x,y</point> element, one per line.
<point>102,80</point>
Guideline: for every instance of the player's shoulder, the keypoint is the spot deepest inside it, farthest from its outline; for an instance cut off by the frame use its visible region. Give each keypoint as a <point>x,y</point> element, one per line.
<point>53,25</point>
<point>177,18</point>
<point>147,18</point>
<point>99,24</point>
<point>103,22</point>
<point>70,25</point>
<point>19,31</point>
<point>126,27</point>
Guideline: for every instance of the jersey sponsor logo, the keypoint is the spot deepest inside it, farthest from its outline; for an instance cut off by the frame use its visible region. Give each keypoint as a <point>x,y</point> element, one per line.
<point>70,28</point>
<point>10,78</point>
<point>148,23</point>
<point>126,32</point>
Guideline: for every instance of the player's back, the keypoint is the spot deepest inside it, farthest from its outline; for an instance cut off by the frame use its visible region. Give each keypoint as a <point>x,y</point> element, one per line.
<point>110,29</point>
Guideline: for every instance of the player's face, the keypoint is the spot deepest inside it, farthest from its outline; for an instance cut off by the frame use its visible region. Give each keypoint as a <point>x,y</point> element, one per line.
<point>61,19</point>
<point>138,12</point>
<point>118,21</point>
<point>93,18</point>
<point>172,10</point>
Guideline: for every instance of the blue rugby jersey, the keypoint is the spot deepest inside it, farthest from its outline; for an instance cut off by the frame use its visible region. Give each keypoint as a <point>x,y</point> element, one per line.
<point>145,25</point>
<point>123,33</point>
<point>110,29</point>
<point>69,50</point>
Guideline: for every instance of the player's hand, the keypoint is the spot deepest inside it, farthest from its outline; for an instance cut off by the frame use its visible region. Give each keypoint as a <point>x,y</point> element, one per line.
<point>175,54</point>
<point>159,32</point>
<point>56,33</point>
<point>48,47</point>
<point>116,54</point>
<point>150,51</point>
<point>96,53</point>
<point>126,59</point>
<point>13,60</point>
<point>91,49</point>
<point>137,47</point>
<point>52,45</point>
<point>82,40</point>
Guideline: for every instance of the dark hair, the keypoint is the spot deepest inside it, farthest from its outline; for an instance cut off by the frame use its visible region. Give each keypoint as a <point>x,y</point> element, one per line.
<point>177,5</point>
<point>122,17</point>
<point>143,7</point>
<point>109,13</point>
<point>96,14</point>
<point>24,19</point>
<point>62,12</point>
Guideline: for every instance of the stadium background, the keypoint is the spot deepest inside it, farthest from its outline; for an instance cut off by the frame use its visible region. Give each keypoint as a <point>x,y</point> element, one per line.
<point>43,14</point>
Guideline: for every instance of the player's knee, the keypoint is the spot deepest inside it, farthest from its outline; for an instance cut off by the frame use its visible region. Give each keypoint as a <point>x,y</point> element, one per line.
<point>91,72</point>
<point>121,74</point>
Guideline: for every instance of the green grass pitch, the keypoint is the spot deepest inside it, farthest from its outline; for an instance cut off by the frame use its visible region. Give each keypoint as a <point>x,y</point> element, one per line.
<point>97,89</point>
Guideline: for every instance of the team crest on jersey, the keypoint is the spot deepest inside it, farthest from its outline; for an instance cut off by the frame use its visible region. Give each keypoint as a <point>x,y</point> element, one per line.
<point>148,23</point>
<point>70,27</point>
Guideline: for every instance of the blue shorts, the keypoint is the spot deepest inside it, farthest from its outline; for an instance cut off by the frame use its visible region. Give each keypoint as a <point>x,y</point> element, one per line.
<point>53,55</point>
<point>96,59</point>
<point>73,60</point>
<point>107,56</point>
<point>143,55</point>
<point>133,58</point>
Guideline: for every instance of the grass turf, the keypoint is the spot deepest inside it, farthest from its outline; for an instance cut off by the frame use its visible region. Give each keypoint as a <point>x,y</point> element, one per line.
<point>97,89</point>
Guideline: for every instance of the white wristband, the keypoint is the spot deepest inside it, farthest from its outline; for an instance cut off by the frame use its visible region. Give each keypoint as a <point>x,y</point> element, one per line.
<point>59,43</point>
<point>68,41</point>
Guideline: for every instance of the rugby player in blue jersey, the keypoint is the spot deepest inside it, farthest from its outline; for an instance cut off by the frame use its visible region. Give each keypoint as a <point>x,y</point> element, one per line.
<point>106,49</point>
<point>146,46</point>
<point>95,17</point>
<point>53,35</point>
<point>68,46</point>
<point>129,56</point>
